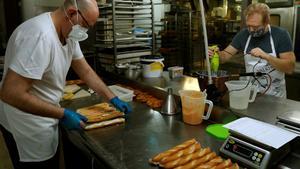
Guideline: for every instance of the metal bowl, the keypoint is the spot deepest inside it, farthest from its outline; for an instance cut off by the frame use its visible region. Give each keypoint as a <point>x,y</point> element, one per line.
<point>121,68</point>
<point>133,71</point>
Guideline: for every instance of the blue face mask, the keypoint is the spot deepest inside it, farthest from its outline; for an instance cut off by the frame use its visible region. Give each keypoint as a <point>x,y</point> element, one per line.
<point>258,32</point>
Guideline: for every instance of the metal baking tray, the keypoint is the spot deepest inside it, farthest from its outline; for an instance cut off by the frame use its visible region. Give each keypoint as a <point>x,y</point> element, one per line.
<point>133,7</point>
<point>147,16</point>
<point>133,2</point>
<point>132,12</point>
<point>291,117</point>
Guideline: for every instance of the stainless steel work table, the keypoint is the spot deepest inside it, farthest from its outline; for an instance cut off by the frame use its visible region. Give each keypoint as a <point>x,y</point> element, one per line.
<point>147,132</point>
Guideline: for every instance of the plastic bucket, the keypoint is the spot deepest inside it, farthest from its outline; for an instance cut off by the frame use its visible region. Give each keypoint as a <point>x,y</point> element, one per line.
<point>152,66</point>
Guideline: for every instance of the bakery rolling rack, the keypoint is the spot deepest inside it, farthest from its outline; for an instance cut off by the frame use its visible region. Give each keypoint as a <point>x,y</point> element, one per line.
<point>124,32</point>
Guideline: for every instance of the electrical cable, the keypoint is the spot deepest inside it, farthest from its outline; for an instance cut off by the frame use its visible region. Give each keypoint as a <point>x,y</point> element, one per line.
<point>249,80</point>
<point>268,85</point>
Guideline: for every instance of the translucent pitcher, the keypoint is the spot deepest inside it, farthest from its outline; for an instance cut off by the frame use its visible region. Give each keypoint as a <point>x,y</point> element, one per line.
<point>193,106</point>
<point>239,93</point>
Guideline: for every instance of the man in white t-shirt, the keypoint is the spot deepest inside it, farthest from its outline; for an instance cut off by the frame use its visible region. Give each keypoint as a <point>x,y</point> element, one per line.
<point>39,53</point>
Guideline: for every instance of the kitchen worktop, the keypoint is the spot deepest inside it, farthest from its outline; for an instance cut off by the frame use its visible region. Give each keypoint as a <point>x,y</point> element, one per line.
<point>146,132</point>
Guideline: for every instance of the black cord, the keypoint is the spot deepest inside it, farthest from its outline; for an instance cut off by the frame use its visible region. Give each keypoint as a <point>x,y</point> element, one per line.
<point>268,85</point>
<point>256,79</point>
<point>249,80</point>
<point>256,64</point>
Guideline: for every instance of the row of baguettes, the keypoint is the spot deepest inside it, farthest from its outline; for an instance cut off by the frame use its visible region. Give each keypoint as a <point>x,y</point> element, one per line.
<point>190,155</point>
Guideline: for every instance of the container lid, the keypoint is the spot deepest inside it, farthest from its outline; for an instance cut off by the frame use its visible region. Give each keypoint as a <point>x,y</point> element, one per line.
<point>217,131</point>
<point>152,58</point>
<point>121,65</point>
<point>134,66</point>
<point>175,68</point>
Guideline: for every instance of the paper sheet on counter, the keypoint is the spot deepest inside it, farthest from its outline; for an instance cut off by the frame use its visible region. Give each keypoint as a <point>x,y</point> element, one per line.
<point>262,132</point>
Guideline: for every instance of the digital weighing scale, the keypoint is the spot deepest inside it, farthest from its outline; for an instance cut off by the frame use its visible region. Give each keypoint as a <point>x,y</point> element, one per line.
<point>290,121</point>
<point>250,153</point>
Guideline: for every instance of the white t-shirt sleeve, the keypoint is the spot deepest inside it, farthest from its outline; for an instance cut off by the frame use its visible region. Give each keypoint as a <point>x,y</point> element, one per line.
<point>77,51</point>
<point>31,57</point>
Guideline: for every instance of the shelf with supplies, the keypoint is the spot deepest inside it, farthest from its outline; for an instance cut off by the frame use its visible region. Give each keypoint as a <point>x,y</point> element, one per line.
<point>124,32</point>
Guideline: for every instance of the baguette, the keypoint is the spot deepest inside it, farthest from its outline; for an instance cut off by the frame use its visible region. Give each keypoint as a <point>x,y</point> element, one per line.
<point>217,160</point>
<point>100,112</point>
<point>234,166</point>
<point>223,165</point>
<point>198,161</point>
<point>104,116</point>
<point>189,150</point>
<point>185,159</point>
<point>104,123</point>
<point>156,159</point>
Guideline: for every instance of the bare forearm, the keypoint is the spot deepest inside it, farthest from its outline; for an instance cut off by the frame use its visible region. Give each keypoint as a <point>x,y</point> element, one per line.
<point>283,65</point>
<point>227,53</point>
<point>32,104</point>
<point>15,91</point>
<point>96,83</point>
<point>224,56</point>
<point>285,62</point>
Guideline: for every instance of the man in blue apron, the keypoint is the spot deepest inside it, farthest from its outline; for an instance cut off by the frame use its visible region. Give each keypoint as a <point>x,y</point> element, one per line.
<point>266,49</point>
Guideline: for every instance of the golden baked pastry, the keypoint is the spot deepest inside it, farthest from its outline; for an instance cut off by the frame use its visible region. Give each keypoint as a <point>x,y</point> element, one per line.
<point>144,97</point>
<point>156,159</point>
<point>100,112</point>
<point>190,155</point>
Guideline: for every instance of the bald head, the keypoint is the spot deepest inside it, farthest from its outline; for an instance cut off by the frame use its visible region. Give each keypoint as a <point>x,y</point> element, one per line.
<point>88,7</point>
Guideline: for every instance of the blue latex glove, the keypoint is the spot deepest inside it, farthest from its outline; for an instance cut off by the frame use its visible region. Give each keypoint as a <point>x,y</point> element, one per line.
<point>71,119</point>
<point>122,106</point>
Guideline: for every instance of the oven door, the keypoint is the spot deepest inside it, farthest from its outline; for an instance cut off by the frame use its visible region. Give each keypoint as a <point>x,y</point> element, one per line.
<point>283,17</point>
<point>297,33</point>
<point>278,3</point>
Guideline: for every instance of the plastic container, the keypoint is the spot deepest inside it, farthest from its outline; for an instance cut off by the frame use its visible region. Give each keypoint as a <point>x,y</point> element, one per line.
<point>175,71</point>
<point>193,106</point>
<point>152,66</point>
<point>123,93</point>
<point>215,59</point>
<point>239,94</point>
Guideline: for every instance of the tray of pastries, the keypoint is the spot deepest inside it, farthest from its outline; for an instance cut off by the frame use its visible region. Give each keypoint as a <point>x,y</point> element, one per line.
<point>145,97</point>
<point>101,115</point>
<point>190,155</point>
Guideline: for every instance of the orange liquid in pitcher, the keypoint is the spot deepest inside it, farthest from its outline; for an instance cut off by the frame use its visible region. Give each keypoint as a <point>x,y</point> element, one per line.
<point>193,108</point>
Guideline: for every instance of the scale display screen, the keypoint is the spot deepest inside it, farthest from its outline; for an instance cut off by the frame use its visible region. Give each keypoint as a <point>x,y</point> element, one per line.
<point>249,154</point>
<point>245,151</point>
<point>242,151</point>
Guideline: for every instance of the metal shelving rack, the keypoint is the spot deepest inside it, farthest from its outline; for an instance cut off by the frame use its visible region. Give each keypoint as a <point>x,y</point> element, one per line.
<point>182,40</point>
<point>124,32</point>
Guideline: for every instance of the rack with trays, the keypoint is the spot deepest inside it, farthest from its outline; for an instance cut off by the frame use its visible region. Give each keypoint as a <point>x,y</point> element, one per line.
<point>124,32</point>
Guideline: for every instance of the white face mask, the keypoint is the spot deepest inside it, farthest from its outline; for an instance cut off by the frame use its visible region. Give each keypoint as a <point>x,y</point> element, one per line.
<point>78,33</point>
